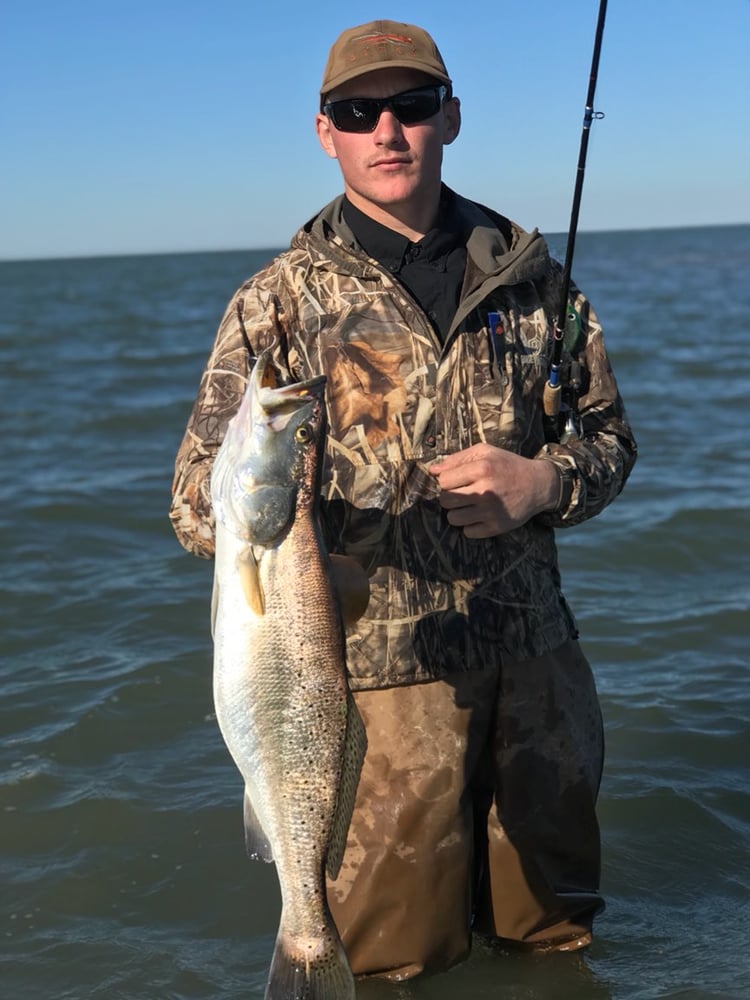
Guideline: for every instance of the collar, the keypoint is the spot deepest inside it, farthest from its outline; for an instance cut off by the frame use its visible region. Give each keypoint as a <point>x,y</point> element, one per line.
<point>496,247</point>
<point>393,250</point>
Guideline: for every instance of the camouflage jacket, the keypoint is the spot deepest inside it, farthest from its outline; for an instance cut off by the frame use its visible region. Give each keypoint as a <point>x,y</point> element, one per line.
<point>398,398</point>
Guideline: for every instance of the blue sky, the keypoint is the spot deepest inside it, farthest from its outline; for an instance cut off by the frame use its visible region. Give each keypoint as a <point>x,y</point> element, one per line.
<point>161,126</point>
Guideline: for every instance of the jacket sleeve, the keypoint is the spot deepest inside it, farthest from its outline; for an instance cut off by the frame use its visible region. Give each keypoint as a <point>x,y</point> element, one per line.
<point>250,323</point>
<point>595,467</point>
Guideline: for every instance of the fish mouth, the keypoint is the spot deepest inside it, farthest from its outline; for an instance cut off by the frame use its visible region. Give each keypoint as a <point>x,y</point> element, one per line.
<point>272,400</point>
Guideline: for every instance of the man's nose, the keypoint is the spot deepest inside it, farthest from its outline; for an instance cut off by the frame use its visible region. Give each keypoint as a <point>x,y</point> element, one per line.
<point>389,128</point>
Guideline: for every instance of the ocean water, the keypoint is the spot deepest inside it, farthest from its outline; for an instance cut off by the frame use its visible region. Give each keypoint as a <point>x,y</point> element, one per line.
<point>121,851</point>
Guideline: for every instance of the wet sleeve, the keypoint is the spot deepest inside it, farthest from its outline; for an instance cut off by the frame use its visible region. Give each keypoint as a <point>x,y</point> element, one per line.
<point>250,323</point>
<point>595,467</point>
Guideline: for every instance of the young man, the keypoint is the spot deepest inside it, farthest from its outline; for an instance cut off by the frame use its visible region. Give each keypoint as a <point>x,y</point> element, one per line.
<point>432,318</point>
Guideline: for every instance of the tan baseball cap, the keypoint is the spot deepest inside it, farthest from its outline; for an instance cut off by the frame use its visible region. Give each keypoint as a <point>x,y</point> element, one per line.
<point>379,45</point>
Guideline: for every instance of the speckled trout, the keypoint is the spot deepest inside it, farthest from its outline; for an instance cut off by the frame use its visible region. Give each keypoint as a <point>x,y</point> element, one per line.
<point>280,688</point>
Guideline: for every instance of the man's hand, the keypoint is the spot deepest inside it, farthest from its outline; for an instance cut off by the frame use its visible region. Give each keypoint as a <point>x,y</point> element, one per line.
<point>488,491</point>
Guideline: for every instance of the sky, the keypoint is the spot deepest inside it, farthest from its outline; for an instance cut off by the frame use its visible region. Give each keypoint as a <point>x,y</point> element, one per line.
<point>149,127</point>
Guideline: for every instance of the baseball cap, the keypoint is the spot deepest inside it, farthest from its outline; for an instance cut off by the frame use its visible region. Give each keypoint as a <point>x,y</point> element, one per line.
<point>380,45</point>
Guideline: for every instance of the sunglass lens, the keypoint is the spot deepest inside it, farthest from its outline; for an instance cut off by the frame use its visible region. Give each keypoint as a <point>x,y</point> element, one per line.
<point>416,107</point>
<point>357,115</point>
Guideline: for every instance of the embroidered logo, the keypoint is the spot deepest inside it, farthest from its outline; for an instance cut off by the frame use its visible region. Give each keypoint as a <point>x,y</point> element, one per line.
<point>376,45</point>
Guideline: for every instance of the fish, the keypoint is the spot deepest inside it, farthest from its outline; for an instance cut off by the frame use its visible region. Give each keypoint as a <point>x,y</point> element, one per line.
<point>280,687</point>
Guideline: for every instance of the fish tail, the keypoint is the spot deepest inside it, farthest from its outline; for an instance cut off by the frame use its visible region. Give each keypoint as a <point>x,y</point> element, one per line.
<point>310,968</point>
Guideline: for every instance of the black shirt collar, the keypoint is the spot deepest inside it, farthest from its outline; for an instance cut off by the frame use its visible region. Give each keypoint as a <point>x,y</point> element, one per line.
<point>393,250</point>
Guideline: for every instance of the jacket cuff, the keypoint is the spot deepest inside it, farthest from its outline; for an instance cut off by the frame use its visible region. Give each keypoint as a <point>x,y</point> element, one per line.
<point>567,501</point>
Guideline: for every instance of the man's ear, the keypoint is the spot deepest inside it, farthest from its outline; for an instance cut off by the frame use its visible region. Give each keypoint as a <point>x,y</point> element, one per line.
<point>452,112</point>
<point>323,129</point>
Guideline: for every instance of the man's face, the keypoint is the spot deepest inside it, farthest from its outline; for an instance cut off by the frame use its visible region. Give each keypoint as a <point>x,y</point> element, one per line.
<point>396,165</point>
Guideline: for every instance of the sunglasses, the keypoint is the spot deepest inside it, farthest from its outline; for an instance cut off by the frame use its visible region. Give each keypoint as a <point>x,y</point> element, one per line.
<point>362,114</point>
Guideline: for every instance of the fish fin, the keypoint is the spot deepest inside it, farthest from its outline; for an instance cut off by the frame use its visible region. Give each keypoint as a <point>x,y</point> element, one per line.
<point>355,746</point>
<point>252,588</point>
<point>256,842</point>
<point>315,968</point>
<point>214,606</point>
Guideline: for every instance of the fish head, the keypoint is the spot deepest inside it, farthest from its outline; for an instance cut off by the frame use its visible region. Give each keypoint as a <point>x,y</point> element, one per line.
<point>268,465</point>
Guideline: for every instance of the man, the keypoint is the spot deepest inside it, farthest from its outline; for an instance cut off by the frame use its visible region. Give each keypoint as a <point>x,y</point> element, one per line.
<point>432,318</point>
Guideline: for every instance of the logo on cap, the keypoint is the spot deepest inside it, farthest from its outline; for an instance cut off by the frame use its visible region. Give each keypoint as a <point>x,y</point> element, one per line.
<point>366,43</point>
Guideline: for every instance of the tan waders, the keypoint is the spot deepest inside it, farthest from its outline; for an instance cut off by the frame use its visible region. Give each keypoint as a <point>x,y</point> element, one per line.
<point>475,811</point>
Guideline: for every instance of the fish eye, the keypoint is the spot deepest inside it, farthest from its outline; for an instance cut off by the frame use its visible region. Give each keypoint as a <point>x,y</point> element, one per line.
<point>303,434</point>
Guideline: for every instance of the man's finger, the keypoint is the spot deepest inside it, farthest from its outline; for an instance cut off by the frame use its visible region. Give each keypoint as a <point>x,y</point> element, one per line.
<point>454,476</point>
<point>454,500</point>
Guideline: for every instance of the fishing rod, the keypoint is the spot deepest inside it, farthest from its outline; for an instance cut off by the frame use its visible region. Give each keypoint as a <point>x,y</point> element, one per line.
<point>566,319</point>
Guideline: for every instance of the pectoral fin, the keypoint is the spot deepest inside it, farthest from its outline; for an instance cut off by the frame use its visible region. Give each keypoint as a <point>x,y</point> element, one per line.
<point>252,588</point>
<point>256,842</point>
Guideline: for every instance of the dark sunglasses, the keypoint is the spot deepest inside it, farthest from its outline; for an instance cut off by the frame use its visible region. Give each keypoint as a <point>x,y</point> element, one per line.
<point>362,114</point>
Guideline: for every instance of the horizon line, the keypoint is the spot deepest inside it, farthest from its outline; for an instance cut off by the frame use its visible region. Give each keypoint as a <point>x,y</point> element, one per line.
<point>114,254</point>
